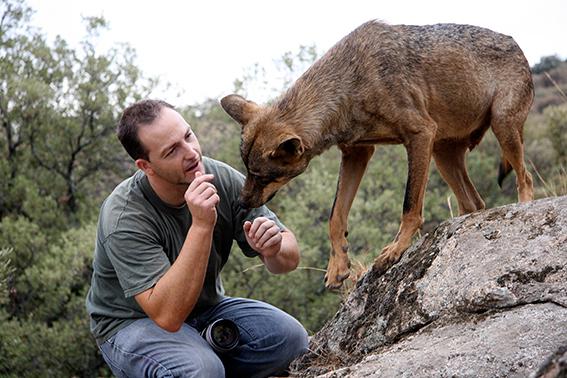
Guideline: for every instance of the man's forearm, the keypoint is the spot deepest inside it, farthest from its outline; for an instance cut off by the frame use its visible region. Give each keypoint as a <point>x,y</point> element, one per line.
<point>287,259</point>
<point>174,296</point>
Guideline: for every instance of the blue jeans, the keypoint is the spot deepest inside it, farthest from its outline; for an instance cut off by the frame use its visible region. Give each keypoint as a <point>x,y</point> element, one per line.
<point>269,340</point>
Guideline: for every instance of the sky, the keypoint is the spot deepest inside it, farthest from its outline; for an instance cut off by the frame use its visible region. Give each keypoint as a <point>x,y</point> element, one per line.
<point>201,47</point>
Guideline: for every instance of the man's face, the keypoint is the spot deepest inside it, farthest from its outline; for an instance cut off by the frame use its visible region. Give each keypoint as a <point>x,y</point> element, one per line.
<point>173,149</point>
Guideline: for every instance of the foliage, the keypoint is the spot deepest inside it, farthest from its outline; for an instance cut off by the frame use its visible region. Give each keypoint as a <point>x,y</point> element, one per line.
<point>261,83</point>
<point>54,98</point>
<point>58,156</point>
<point>556,129</point>
<point>551,165</point>
<point>546,63</point>
<point>551,84</point>
<point>5,272</point>
<point>46,333</point>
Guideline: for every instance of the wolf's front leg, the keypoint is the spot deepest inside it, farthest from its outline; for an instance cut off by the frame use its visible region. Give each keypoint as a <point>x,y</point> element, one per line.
<point>392,252</point>
<point>338,269</point>
<point>419,150</point>
<point>353,164</point>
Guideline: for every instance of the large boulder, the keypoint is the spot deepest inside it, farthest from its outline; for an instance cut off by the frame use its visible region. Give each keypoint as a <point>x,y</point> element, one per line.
<point>484,295</point>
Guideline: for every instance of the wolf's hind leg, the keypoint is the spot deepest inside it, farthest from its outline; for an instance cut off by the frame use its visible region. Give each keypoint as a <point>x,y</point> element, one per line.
<point>507,123</point>
<point>450,161</point>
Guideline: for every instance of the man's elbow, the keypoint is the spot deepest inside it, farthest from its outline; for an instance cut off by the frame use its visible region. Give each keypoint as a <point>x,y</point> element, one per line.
<point>168,324</point>
<point>294,262</point>
<point>283,266</point>
<point>166,314</point>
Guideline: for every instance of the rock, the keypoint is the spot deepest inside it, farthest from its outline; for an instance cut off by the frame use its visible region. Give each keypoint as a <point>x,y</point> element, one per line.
<point>555,366</point>
<point>484,295</point>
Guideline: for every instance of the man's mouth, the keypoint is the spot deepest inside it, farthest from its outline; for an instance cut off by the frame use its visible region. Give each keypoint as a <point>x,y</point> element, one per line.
<point>192,167</point>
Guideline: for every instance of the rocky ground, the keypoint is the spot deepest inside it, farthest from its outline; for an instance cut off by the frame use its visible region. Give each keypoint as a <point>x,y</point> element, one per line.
<point>484,295</point>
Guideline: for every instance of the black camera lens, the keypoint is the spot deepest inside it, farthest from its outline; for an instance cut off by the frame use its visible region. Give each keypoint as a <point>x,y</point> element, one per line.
<point>222,335</point>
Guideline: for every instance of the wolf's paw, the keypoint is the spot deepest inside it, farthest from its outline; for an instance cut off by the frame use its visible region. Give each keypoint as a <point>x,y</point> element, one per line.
<point>336,275</point>
<point>389,256</point>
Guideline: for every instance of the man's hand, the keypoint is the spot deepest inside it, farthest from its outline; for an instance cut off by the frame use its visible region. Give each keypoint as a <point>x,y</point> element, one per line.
<point>264,236</point>
<point>201,197</point>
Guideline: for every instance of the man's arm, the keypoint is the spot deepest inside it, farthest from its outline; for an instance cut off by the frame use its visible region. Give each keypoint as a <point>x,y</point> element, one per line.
<point>175,294</point>
<point>278,249</point>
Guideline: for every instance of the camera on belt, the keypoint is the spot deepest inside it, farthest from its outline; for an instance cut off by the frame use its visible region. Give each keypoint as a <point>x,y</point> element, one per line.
<point>222,335</point>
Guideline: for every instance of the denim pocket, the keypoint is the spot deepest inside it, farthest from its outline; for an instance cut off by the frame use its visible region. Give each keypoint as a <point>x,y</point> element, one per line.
<point>111,339</point>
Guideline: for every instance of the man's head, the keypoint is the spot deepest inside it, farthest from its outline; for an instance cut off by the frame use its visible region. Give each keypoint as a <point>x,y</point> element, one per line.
<point>161,142</point>
<point>140,113</point>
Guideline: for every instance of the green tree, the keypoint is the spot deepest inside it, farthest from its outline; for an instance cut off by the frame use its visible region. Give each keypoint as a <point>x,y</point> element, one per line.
<point>58,110</point>
<point>552,162</point>
<point>546,63</point>
<point>58,157</point>
<point>50,337</point>
<point>80,125</point>
<point>556,131</point>
<point>19,99</point>
<point>261,83</point>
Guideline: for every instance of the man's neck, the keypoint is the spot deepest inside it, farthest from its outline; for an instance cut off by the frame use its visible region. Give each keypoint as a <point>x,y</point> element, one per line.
<point>172,195</point>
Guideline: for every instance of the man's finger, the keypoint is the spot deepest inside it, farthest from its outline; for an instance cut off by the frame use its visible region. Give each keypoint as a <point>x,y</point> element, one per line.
<point>247,225</point>
<point>206,189</point>
<point>203,187</point>
<point>269,233</point>
<point>271,242</point>
<point>262,228</point>
<point>199,179</point>
<point>256,224</point>
<point>212,201</point>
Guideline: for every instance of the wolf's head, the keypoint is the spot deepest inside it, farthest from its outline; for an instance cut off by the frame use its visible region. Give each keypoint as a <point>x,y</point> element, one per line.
<point>270,149</point>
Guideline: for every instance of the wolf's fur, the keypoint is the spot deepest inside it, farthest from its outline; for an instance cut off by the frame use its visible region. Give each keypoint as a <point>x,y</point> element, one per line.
<point>435,89</point>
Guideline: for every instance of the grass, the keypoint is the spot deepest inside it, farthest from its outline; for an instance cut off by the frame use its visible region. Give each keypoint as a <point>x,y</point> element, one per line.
<point>556,186</point>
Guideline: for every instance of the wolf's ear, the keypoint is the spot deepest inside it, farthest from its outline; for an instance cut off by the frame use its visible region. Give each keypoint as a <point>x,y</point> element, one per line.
<point>240,109</point>
<point>289,150</point>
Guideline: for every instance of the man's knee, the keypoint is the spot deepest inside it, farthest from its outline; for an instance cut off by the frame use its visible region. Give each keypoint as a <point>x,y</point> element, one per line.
<point>290,336</point>
<point>205,363</point>
<point>297,338</point>
<point>200,363</point>
<point>143,349</point>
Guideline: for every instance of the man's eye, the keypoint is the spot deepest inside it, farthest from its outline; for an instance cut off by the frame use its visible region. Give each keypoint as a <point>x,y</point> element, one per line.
<point>170,152</point>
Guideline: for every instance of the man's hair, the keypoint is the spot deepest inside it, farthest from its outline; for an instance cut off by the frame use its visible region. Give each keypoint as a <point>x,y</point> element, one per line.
<point>142,112</point>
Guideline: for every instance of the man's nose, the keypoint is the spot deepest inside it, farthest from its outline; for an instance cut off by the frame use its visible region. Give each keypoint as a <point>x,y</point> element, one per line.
<point>190,150</point>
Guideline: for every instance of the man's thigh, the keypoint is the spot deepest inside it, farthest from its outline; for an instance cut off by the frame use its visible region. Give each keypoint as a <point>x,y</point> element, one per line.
<point>143,349</point>
<point>270,338</point>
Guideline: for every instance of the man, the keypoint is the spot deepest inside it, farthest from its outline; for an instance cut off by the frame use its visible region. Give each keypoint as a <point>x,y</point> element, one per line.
<point>163,237</point>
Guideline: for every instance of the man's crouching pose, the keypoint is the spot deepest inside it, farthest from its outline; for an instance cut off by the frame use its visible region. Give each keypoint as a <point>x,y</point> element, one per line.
<point>163,237</point>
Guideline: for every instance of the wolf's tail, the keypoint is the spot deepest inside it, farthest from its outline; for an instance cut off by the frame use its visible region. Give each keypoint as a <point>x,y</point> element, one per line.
<point>503,170</point>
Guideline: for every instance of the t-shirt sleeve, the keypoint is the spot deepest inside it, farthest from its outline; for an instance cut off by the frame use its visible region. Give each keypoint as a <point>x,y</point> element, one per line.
<point>138,261</point>
<point>241,215</point>
<point>250,215</point>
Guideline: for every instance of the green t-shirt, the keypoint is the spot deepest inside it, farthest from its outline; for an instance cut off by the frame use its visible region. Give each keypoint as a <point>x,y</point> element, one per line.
<point>139,237</point>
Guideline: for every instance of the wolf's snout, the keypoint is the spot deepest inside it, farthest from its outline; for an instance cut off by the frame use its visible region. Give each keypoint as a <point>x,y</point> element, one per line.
<point>243,204</point>
<point>271,196</point>
<point>249,202</point>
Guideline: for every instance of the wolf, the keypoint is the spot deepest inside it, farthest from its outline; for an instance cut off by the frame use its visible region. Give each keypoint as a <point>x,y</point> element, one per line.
<point>436,89</point>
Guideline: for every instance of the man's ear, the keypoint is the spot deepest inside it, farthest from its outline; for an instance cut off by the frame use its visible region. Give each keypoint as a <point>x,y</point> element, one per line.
<point>240,109</point>
<point>145,166</point>
<point>290,149</point>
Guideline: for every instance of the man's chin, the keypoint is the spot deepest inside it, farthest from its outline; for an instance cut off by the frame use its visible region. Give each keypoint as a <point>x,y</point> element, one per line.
<point>190,175</point>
